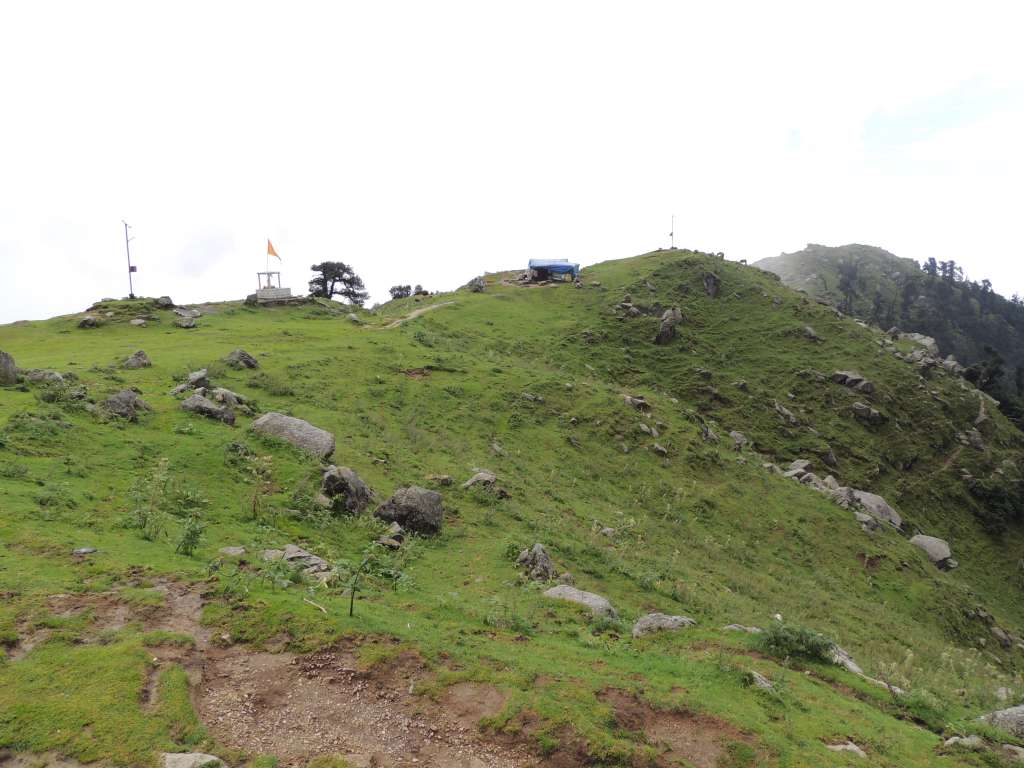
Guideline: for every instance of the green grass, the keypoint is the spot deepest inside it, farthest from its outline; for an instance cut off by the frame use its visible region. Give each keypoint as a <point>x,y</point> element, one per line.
<point>707,533</point>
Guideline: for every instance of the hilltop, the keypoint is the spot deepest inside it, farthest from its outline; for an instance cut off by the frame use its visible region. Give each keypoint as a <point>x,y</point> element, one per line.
<point>969,320</point>
<point>682,435</point>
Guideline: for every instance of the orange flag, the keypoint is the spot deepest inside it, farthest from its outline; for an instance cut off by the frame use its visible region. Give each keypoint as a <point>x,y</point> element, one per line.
<point>271,251</point>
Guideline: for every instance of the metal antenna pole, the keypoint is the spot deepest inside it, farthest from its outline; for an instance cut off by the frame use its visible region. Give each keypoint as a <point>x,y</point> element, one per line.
<point>127,250</point>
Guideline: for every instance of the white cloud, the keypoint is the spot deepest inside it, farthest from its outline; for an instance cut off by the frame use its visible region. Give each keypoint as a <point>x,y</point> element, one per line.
<point>428,142</point>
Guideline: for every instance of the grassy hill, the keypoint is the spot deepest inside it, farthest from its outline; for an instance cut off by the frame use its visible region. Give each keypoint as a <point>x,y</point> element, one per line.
<point>965,317</point>
<point>451,655</point>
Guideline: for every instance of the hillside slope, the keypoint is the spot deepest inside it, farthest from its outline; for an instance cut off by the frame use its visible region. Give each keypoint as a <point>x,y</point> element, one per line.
<point>964,317</point>
<point>452,655</point>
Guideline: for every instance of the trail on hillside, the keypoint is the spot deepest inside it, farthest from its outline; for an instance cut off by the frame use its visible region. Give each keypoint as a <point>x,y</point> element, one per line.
<point>416,313</point>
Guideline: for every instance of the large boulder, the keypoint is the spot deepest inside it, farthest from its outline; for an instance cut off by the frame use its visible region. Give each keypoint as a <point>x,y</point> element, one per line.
<point>239,359</point>
<point>938,550</point>
<point>185,322</point>
<point>670,318</point>
<point>196,403</point>
<point>659,622</point>
<point>537,563</point>
<point>164,302</point>
<point>867,414</point>
<point>8,370</point>
<point>598,605</point>
<point>712,284</point>
<point>415,509</point>
<point>346,489</point>
<point>299,433</point>
<point>1010,720</point>
<point>309,563</point>
<point>89,322</point>
<point>126,404</point>
<point>138,360</point>
<point>878,508</point>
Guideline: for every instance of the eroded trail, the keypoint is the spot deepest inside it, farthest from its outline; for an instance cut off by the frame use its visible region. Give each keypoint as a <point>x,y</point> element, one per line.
<point>416,313</point>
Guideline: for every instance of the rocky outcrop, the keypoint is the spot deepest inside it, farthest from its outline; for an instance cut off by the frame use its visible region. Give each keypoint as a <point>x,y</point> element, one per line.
<point>346,490</point>
<point>537,563</point>
<point>660,622</point>
<point>89,321</point>
<point>298,432</point>
<point>415,509</point>
<point>878,508</point>
<point>198,404</point>
<point>598,605</point>
<point>670,318</point>
<point>476,285</point>
<point>164,302</point>
<point>854,381</point>
<point>712,284</point>
<point>138,360</point>
<point>126,404</point>
<point>865,413</point>
<point>239,359</point>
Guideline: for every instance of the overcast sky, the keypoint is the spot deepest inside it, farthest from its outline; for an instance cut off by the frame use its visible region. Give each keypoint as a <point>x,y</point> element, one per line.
<point>428,142</point>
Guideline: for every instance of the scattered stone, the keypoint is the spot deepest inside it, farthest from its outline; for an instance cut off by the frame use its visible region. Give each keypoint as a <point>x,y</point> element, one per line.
<point>353,318</point>
<point>867,522</point>
<point>937,549</point>
<point>670,318</point>
<point>138,322</point>
<point>272,554</point>
<point>185,322</point>
<point>712,284</point>
<point>739,440</point>
<point>640,403</point>
<point>1010,720</point>
<point>811,334</point>
<point>226,397</point>
<point>965,742</point>
<point>43,376</point>
<point>298,432</point>
<point>82,551</point>
<point>440,479</point>
<point>232,551</point>
<point>849,746</point>
<point>867,414</point>
<point>878,508</point>
<point>89,322</point>
<point>311,564</point>
<point>190,759</point>
<point>537,563</point>
<point>239,359</point>
<point>346,489</point>
<point>415,509</point>
<point>659,449</point>
<point>126,404</point>
<point>925,341</point>
<point>483,477</point>
<point>138,360</point>
<point>566,578</point>
<point>741,628</point>
<point>8,370</point>
<point>659,622</point>
<point>759,681</point>
<point>196,403</point>
<point>185,312</point>
<point>974,439</point>
<point>476,285</point>
<point>1013,753</point>
<point>606,531</point>
<point>164,302</point>
<point>785,413</point>
<point>598,605</point>
<point>198,379</point>
<point>843,659</point>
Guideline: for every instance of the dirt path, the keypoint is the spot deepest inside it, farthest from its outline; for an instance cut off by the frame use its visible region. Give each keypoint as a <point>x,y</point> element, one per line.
<point>416,313</point>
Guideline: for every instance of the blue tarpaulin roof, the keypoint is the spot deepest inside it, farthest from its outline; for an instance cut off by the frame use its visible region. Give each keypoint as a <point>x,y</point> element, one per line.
<point>556,266</point>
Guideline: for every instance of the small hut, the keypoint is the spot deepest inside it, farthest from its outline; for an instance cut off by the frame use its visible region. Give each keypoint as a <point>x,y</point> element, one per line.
<point>553,269</point>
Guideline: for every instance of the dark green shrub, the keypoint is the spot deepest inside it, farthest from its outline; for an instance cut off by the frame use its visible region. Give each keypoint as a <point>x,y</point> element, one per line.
<point>786,640</point>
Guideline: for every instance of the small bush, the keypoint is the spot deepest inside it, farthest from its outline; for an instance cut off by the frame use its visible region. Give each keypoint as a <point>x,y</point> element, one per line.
<point>786,640</point>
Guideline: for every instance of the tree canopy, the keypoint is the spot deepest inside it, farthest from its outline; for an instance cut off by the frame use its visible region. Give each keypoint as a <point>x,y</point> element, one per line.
<point>335,278</point>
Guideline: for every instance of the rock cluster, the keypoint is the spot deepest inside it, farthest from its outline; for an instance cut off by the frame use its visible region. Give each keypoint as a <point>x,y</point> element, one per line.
<point>138,360</point>
<point>199,404</point>
<point>854,381</point>
<point>536,563</point>
<point>869,505</point>
<point>126,404</point>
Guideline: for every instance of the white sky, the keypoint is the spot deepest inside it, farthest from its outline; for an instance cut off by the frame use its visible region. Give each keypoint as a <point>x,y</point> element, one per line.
<point>427,142</point>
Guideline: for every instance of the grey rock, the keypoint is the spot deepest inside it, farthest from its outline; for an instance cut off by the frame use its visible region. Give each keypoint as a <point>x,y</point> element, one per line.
<point>138,360</point>
<point>639,402</point>
<point>126,404</point>
<point>965,742</point>
<point>878,508</point>
<point>659,622</point>
<point>925,341</point>
<point>186,312</point>
<point>138,322</point>
<point>272,554</point>
<point>741,628</point>
<point>185,322</point>
<point>190,759</point>
<point>83,551</point>
<point>785,413</point>
<point>537,563</point>
<point>43,376</point>
<point>440,479</point>
<point>799,465</point>
<point>198,404</point>
<point>566,578</point>
<point>232,551</point>
<point>482,478</point>
<point>867,522</point>
<point>298,432</point>
<point>353,318</point>
<point>759,681</point>
<point>739,440</point>
<point>311,564</point>
<point>1010,720</point>
<point>659,449</point>
<point>847,378</point>
<point>937,549</point>
<point>843,659</point>
<point>8,370</point>
<point>975,439</point>
<point>164,302</point>
<point>811,334</point>
<point>239,359</point>
<point>670,318</point>
<point>198,379</point>
<point>225,397</point>
<point>89,322</point>
<point>1012,753</point>
<point>867,414</point>
<point>346,489</point>
<point>476,285</point>
<point>712,284</point>
<point>598,605</point>
<point>415,509</point>
<point>848,746</point>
